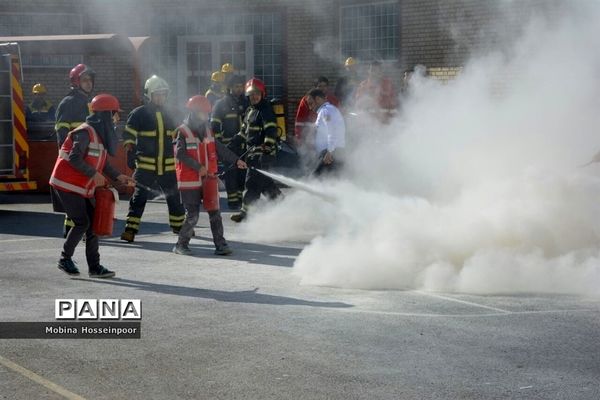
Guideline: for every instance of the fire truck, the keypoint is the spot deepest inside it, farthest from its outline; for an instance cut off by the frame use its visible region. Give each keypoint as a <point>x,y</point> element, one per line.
<point>14,148</point>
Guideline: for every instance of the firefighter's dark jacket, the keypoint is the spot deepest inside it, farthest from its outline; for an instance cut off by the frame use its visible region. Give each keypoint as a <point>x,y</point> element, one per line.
<point>259,131</point>
<point>71,112</point>
<point>226,118</point>
<point>151,130</point>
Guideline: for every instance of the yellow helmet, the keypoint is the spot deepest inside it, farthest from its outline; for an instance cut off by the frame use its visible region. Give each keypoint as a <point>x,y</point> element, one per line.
<point>349,62</point>
<point>217,76</point>
<point>227,68</point>
<point>38,88</point>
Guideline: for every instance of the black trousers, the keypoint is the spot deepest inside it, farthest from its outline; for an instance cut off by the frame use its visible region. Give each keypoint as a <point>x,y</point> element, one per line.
<point>137,203</point>
<point>234,185</point>
<point>257,183</point>
<point>81,211</point>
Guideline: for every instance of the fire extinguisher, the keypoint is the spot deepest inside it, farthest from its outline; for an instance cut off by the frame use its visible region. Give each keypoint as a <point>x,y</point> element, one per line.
<point>210,183</point>
<point>104,212</point>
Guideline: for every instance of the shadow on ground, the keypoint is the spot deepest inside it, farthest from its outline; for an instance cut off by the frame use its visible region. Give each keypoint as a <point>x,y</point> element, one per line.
<point>244,296</point>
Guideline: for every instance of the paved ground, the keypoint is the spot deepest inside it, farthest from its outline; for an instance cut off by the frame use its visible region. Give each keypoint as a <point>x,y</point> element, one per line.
<point>242,328</point>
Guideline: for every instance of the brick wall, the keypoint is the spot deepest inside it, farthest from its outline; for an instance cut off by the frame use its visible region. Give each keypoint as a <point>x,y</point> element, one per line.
<point>439,34</point>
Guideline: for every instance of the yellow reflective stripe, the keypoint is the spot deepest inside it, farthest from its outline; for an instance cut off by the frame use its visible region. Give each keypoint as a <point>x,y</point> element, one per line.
<point>169,160</point>
<point>69,222</point>
<point>216,120</point>
<point>254,128</point>
<point>75,124</point>
<point>147,159</point>
<point>146,166</point>
<point>133,226</point>
<point>161,141</point>
<point>231,116</point>
<point>61,125</point>
<point>269,140</point>
<point>171,133</point>
<point>134,219</point>
<point>148,133</point>
<point>169,168</point>
<point>270,124</point>
<point>176,218</point>
<point>129,129</point>
<point>128,141</point>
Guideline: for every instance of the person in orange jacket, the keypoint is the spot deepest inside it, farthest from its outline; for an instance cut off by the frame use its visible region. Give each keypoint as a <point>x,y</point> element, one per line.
<point>81,166</point>
<point>376,95</point>
<point>190,172</point>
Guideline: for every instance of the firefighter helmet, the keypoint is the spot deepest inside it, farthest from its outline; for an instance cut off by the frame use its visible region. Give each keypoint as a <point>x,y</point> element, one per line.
<point>349,62</point>
<point>255,85</point>
<point>217,76</point>
<point>78,71</point>
<point>227,68</point>
<point>155,84</point>
<point>38,88</point>
<point>199,104</point>
<point>105,102</point>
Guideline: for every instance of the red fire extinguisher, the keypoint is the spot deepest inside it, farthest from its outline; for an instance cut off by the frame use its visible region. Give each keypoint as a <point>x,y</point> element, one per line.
<point>210,183</point>
<point>104,213</point>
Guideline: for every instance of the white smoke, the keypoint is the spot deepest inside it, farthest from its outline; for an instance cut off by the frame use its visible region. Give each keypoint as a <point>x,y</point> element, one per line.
<point>476,186</point>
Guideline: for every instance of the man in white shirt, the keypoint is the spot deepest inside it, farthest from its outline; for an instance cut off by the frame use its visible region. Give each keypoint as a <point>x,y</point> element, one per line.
<point>330,136</point>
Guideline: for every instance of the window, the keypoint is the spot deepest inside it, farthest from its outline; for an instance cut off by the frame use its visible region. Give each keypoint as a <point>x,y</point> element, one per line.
<point>32,24</point>
<point>370,31</point>
<point>266,29</point>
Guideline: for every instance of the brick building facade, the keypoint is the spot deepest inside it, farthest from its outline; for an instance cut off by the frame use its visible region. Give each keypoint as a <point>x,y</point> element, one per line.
<point>284,42</point>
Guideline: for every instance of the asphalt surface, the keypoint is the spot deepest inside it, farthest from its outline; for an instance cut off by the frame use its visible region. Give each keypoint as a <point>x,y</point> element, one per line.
<point>241,327</point>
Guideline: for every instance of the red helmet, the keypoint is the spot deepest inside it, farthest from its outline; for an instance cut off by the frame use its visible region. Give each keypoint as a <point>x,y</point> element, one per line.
<point>199,104</point>
<point>105,102</point>
<point>255,84</point>
<point>78,71</point>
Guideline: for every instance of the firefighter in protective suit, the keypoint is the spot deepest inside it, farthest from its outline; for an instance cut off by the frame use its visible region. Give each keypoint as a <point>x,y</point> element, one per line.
<point>258,137</point>
<point>40,109</point>
<point>79,169</point>
<point>226,122</point>
<point>215,91</point>
<point>74,109</point>
<point>149,134</point>
<point>191,171</point>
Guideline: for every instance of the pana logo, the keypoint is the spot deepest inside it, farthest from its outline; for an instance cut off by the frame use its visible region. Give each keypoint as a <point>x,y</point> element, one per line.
<point>98,309</point>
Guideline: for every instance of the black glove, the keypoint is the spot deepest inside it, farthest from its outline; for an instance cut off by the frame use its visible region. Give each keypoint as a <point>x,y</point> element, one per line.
<point>131,159</point>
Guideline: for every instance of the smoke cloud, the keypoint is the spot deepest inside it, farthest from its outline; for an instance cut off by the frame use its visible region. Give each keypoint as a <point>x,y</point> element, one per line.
<point>475,187</point>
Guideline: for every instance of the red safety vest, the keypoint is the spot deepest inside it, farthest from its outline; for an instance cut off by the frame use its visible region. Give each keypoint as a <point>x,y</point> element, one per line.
<point>189,178</point>
<point>69,179</point>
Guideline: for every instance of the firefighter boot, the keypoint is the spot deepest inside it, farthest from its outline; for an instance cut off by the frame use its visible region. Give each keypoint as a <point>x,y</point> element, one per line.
<point>128,236</point>
<point>68,266</point>
<point>239,217</point>
<point>100,272</point>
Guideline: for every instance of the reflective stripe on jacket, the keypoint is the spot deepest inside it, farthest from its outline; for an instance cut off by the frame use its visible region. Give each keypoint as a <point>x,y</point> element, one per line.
<point>67,178</point>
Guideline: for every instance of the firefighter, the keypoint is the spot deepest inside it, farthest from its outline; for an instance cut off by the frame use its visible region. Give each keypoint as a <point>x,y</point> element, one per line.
<point>376,95</point>
<point>305,118</point>
<point>346,85</point>
<point>74,109</point>
<point>40,109</point>
<point>81,166</point>
<point>227,70</point>
<point>215,91</point>
<point>149,133</point>
<point>191,175</point>
<point>330,132</point>
<point>259,137</point>
<point>226,122</point>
